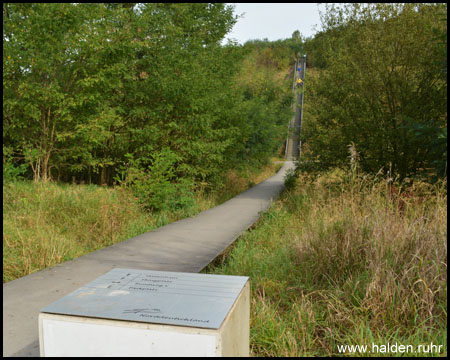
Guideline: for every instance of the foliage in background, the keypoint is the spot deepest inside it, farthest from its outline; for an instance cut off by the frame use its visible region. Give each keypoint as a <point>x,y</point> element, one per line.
<point>267,98</point>
<point>11,170</point>
<point>85,86</point>
<point>278,54</point>
<point>383,86</point>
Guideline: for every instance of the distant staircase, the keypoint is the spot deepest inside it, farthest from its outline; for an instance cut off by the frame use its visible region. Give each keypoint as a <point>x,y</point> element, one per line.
<point>293,141</point>
<point>293,149</point>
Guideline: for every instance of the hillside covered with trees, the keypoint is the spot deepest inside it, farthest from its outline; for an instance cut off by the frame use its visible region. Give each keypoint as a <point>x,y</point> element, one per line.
<point>142,95</point>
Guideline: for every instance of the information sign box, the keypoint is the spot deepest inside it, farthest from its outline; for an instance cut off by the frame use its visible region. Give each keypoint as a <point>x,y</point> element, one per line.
<point>130,312</point>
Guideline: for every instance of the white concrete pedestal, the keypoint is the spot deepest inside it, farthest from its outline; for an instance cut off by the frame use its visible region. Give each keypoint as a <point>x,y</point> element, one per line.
<point>150,313</point>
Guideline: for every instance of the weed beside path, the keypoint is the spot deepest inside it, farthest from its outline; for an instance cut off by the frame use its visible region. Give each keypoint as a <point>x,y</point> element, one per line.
<point>342,261</point>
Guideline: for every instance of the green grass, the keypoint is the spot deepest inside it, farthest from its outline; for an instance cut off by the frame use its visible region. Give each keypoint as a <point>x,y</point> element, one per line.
<point>45,224</point>
<point>342,261</point>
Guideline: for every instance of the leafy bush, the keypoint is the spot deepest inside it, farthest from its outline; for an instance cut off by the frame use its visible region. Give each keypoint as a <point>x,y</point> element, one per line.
<point>11,172</point>
<point>157,186</point>
<point>290,179</point>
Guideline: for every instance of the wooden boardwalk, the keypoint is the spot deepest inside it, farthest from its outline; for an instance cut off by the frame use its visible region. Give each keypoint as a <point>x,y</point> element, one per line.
<point>187,245</point>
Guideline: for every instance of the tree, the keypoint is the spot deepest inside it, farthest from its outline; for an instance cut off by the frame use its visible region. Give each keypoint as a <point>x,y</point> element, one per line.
<point>39,77</point>
<point>382,83</point>
<point>102,78</point>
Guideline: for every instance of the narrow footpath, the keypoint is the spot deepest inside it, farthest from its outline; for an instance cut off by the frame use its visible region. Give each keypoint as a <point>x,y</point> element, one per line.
<point>186,245</point>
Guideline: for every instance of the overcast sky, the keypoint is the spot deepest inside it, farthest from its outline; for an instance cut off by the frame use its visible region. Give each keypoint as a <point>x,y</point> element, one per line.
<point>274,21</point>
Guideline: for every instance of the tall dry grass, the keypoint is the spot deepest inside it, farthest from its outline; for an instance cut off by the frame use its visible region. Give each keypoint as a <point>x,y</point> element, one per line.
<point>347,259</point>
<point>384,255</point>
<point>46,224</point>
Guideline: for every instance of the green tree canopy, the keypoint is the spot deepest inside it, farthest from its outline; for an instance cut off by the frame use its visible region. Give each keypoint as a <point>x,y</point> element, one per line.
<point>143,94</point>
<point>382,86</point>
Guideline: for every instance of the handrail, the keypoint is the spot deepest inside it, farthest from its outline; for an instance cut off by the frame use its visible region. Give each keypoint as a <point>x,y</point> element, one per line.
<point>298,118</point>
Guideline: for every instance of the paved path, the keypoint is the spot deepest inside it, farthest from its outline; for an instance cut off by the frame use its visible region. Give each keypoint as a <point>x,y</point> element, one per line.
<point>186,245</point>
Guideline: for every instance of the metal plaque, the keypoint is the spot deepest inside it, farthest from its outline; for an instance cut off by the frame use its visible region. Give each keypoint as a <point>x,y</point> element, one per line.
<point>173,298</point>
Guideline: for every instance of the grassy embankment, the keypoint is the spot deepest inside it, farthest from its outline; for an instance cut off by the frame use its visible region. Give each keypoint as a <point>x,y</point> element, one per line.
<point>344,260</point>
<point>46,224</point>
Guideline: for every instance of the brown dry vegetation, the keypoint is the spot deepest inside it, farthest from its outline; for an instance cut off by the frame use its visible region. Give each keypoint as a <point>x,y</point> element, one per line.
<point>342,260</point>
